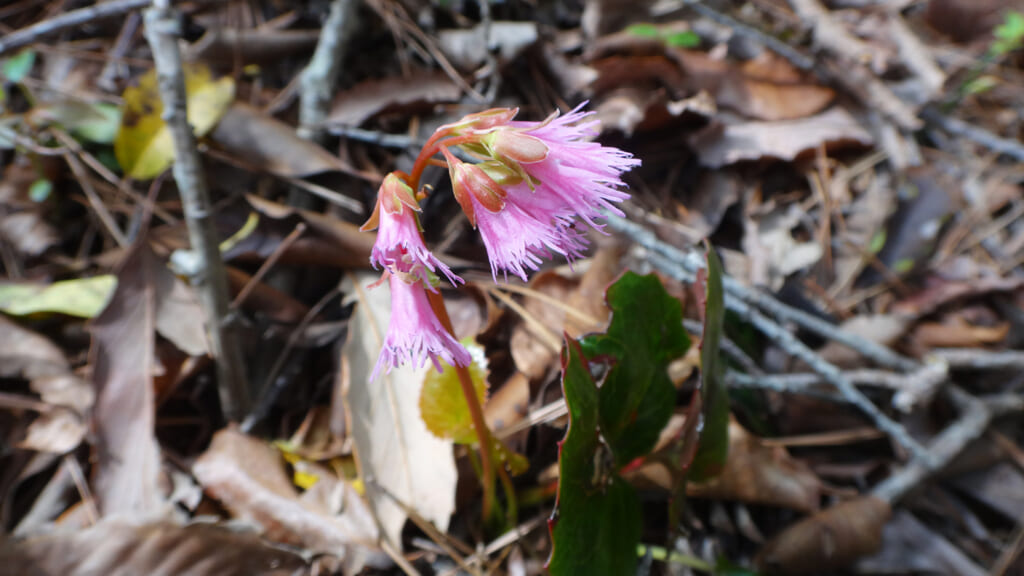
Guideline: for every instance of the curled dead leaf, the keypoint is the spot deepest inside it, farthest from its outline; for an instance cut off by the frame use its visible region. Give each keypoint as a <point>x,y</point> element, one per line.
<point>121,547</point>
<point>829,540</point>
<point>25,354</point>
<point>783,140</point>
<point>761,474</point>
<point>248,477</point>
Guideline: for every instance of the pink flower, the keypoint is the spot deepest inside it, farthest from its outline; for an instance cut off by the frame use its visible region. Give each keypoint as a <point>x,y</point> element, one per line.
<point>530,226</point>
<point>414,332</point>
<point>399,247</point>
<point>542,176</point>
<point>556,156</point>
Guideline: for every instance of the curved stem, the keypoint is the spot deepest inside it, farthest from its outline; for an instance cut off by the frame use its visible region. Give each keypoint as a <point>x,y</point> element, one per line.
<point>476,412</point>
<point>433,146</point>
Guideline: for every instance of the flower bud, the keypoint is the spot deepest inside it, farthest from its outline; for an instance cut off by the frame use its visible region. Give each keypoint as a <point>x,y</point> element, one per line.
<point>470,179</point>
<point>516,146</point>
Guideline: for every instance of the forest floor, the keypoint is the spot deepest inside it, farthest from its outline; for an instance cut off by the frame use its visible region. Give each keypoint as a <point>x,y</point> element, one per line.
<point>185,355</point>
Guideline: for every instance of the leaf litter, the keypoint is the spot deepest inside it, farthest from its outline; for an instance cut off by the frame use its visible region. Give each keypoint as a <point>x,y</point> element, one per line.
<point>788,136</point>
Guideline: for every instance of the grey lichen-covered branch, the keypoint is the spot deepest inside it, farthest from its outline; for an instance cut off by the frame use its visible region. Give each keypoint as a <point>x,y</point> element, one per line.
<point>320,75</point>
<point>209,279</point>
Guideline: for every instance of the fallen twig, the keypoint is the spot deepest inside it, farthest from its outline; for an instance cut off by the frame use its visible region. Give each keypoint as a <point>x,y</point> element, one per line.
<point>975,417</point>
<point>1012,148</point>
<point>691,261</point>
<point>209,277</point>
<point>67,20</point>
<point>320,75</point>
<point>981,359</point>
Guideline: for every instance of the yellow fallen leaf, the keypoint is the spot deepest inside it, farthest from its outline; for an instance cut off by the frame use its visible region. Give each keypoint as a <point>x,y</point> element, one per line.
<point>83,297</point>
<point>143,145</point>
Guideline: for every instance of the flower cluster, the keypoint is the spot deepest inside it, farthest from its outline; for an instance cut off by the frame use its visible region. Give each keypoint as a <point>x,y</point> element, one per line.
<point>532,182</point>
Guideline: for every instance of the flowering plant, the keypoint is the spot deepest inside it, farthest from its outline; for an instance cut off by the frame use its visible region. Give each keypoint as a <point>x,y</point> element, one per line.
<point>532,182</point>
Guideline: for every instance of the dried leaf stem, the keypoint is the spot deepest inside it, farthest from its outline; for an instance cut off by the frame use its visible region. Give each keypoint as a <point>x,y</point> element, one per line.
<point>210,279</point>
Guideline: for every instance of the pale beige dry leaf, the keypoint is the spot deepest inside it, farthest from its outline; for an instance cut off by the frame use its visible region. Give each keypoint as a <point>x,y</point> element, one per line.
<point>120,548</point>
<point>65,390</point>
<point>395,453</point>
<point>28,232</point>
<point>467,48</point>
<point>179,317</point>
<point>266,143</point>
<point>248,477</point>
<point>367,99</point>
<point>58,430</point>
<point>782,140</point>
<point>127,465</point>
<point>25,354</point>
<point>884,329</point>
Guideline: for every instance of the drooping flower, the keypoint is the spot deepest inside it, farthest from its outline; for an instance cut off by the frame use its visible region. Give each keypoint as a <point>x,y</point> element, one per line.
<point>540,177</point>
<point>399,247</point>
<point>584,174</point>
<point>414,331</point>
<point>519,226</point>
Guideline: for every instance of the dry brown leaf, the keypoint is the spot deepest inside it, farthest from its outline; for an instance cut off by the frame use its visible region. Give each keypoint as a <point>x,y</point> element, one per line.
<point>829,540</point>
<point>328,241</point>
<point>395,453</point>
<point>958,334</point>
<point>269,301</point>
<point>120,548</point>
<point>783,140</point>
<point>531,338</point>
<point>761,474</point>
<point>266,143</point>
<point>235,46</point>
<point>127,465</point>
<point>25,354</point>
<point>248,477</point>
<point>754,473</point>
<point>367,99</point>
<point>765,88</point>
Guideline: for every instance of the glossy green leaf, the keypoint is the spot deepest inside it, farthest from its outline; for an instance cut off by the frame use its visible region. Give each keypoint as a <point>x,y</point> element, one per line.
<point>83,297</point>
<point>714,434</point>
<point>596,527</point>
<point>443,407</point>
<point>646,333</point>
